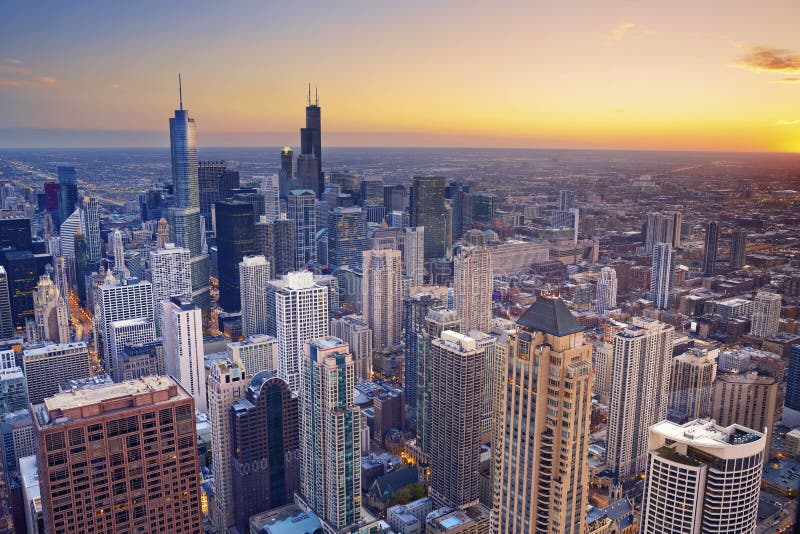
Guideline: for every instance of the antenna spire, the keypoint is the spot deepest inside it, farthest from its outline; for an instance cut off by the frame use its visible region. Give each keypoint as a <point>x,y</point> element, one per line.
<point>180,90</point>
<point>316,94</point>
<point>309,93</point>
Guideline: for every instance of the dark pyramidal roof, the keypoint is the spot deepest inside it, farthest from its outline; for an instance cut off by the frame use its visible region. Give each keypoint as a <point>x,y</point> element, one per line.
<point>551,316</point>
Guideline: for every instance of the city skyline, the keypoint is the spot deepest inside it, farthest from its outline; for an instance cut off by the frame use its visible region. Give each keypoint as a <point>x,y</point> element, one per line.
<point>421,74</point>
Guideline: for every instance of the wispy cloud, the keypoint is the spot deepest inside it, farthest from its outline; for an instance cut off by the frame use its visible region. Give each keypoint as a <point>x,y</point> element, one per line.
<point>788,123</point>
<point>790,79</point>
<point>14,69</point>
<point>47,80</point>
<point>767,59</point>
<point>41,81</point>
<point>13,61</point>
<point>620,30</point>
<point>11,83</point>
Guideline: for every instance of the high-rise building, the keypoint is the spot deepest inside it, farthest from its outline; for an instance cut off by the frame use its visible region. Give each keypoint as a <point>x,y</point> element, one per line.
<point>226,384</point>
<point>543,411</point>
<point>255,353</point>
<point>747,398</point>
<point>92,208</point>
<point>133,481</point>
<point>347,237</point>
<point>185,220</point>
<point>395,198</point>
<point>427,207</point>
<point>691,382</point>
<point>216,182</point>
<point>382,296</point>
<point>639,392</point>
<point>710,249</point>
<point>6,323</point>
<point>81,263</point>
<point>302,210</point>
<point>18,436</point>
<point>13,388</point>
<point>566,199</point>
<point>569,219</point>
<point>702,477</point>
<point>766,314</point>
<point>414,254</point>
<point>301,313</point>
<point>235,231</point>
<point>663,228</point>
<point>330,423</point>
<point>311,145</point>
<point>15,232</point>
<point>484,206</point>
<point>51,312</point>
<point>22,273</point>
<point>661,275</point>
<point>457,193</point>
<point>791,410</point>
<point>254,275</point>
<point>124,334</point>
<point>606,290</point>
<point>162,233</point>
<point>415,309</point>
<point>265,447</point>
<point>285,255</point>
<point>286,175</point>
<point>472,287</point>
<point>171,276</point>
<point>48,366</point>
<point>456,377</point>
<point>183,347</point>
<point>71,225</point>
<point>142,359</point>
<point>307,172</point>
<point>128,298</point>
<point>353,330</point>
<point>738,248</point>
<point>118,247</point>
<point>51,199</point>
<point>67,191</point>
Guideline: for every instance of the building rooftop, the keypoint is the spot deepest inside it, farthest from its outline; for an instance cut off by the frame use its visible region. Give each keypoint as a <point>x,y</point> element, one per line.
<point>289,519</point>
<point>551,316</point>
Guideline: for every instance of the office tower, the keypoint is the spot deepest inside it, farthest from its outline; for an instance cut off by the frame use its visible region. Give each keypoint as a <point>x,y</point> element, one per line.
<point>185,220</point>
<point>6,323</point>
<point>437,320</point>
<point>766,314</point>
<point>215,183</point>
<point>227,383</point>
<point>311,145</point>
<point>126,333</point>
<point>484,206</point>
<point>458,193</point>
<point>415,309</point>
<point>702,477</point>
<point>51,200</point>
<point>639,392</point>
<point>414,254</point>
<point>48,366</point>
<point>710,249</point>
<point>472,287</point>
<point>566,199</point>
<point>302,210</point>
<point>162,233</point>
<point>16,233</point>
<point>382,296</point>
<point>72,225</point>
<point>146,487</point>
<point>395,198</point>
<point>746,398</point>
<point>663,228</point>
<point>255,353</point>
<point>691,383</point>
<point>18,436</point>
<point>456,374</point>
<point>661,275</point>
<point>606,290</point>
<point>270,190</point>
<point>371,198</point>
<point>543,408</point>
<point>13,388</point>
<point>67,191</point>
<point>138,360</point>
<point>235,231</point>
<point>348,181</point>
<point>307,173</point>
<point>183,347</point>
<point>301,313</point>
<point>265,447</point>
<point>347,237</point>
<point>128,298</point>
<point>738,248</point>
<point>21,274</point>
<point>286,175</point>
<point>569,219</point>
<point>170,275</point>
<point>81,264</point>
<point>51,312</point>
<point>791,410</point>
<point>330,435</point>
<point>356,333</point>
<point>118,248</point>
<point>427,209</point>
<point>285,255</point>
<point>254,275</point>
<point>92,209</point>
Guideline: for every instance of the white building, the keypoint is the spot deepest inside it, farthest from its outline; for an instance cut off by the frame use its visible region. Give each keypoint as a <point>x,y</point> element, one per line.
<point>472,287</point>
<point>183,347</point>
<point>51,312</point>
<point>255,353</point>
<point>661,277</point>
<point>606,290</point>
<point>514,256</point>
<point>414,254</point>
<point>125,333</point>
<point>735,307</point>
<point>270,189</point>
<point>353,330</point>
<point>691,383</point>
<point>128,298</point>
<point>382,295</point>
<point>47,367</point>
<point>69,227</point>
<point>766,314</point>
<point>254,276</point>
<point>171,275</point>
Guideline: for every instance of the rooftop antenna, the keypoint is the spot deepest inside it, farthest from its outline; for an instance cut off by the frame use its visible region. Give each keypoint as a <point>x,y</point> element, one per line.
<point>309,93</point>
<point>180,90</point>
<point>316,94</point>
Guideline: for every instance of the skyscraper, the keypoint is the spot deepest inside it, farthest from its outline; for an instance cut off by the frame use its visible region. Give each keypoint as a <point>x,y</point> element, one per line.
<point>128,298</point>
<point>738,248</point>
<point>661,277</point>
<point>254,276</point>
<point>285,256</point>
<point>51,365</point>
<point>414,254</point>
<point>330,476</point>
<point>235,232</point>
<point>311,145</point>
<point>67,191</point>
<point>566,199</point>
<point>255,353</point>
<point>357,334</point>
<point>382,295</point>
<point>766,314</point>
<point>13,388</point>
<point>216,182</point>
<point>92,209</point>
<point>791,410</point>
<point>639,392</point>
<point>127,333</point>
<point>265,426</point>
<point>702,477</point>
<point>301,313</point>
<point>746,398</point>
<point>302,209</point>
<point>71,224</point>
<point>691,383</point>
<point>270,190</point>
<point>347,237</point>
<point>457,193</point>
<point>415,309</point>
<point>428,209</point>
<point>710,249</point>
<point>146,485</point>
<point>183,347</point>
<point>606,290</point>
<point>286,175</point>
<point>663,228</point>
<point>119,252</point>
<point>472,287</point>
<point>6,324</point>
<point>185,221</point>
<point>543,411</point>
<point>51,312</point>
<point>226,384</point>
<point>171,276</point>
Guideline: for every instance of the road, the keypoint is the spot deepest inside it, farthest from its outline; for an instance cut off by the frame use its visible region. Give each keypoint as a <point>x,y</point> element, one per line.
<point>782,519</point>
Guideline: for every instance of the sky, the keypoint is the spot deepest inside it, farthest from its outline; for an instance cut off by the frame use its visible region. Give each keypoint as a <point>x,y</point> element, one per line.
<point>682,75</point>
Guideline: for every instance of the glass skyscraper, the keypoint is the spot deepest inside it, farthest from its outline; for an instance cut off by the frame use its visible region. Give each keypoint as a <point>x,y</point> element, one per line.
<point>428,210</point>
<point>67,192</point>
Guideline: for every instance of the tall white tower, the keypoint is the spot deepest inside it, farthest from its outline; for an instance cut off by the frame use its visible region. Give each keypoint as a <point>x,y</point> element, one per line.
<point>119,252</point>
<point>606,290</point>
<point>171,275</point>
<point>382,295</point>
<point>661,277</point>
<point>51,312</point>
<point>253,280</point>
<point>183,347</point>
<point>414,254</point>
<point>270,188</point>
<point>766,314</point>
<point>472,287</point>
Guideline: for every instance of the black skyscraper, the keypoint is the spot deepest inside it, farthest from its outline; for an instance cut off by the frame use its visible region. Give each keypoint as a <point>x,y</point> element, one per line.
<point>428,209</point>
<point>710,249</point>
<point>67,192</point>
<point>286,175</point>
<point>16,233</point>
<point>311,144</point>
<point>235,233</point>
<point>738,248</point>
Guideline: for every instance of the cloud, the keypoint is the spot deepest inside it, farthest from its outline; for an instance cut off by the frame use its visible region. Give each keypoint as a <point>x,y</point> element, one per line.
<point>14,69</point>
<point>11,83</point>
<point>620,30</point>
<point>13,61</point>
<point>47,80</point>
<point>42,81</point>
<point>115,86</point>
<point>766,59</point>
<point>788,123</point>
<point>790,79</point>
